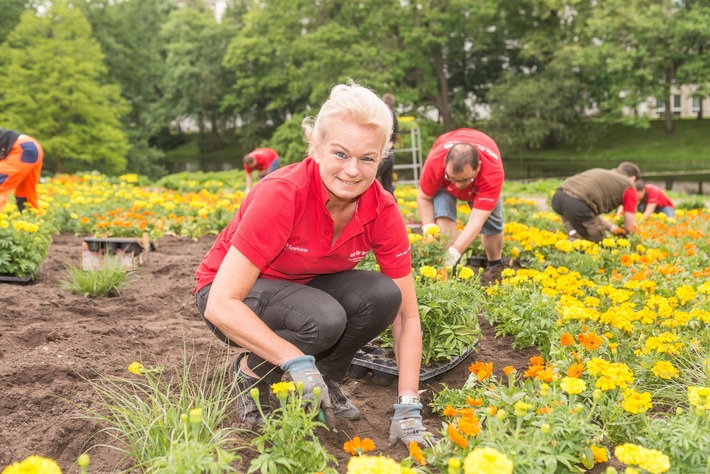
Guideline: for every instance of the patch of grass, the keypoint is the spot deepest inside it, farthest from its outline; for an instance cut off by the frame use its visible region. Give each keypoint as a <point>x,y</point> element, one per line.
<point>170,422</point>
<point>106,280</point>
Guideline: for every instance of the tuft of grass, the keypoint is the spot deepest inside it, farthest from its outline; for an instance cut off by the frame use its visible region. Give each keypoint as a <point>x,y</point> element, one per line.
<point>170,422</point>
<point>106,280</point>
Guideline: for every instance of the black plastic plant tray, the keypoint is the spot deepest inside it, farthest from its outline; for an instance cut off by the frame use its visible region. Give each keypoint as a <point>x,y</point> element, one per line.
<point>26,280</point>
<point>112,244</point>
<point>381,362</point>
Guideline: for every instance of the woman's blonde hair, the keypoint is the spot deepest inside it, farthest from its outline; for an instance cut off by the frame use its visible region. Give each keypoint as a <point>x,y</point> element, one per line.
<point>354,103</point>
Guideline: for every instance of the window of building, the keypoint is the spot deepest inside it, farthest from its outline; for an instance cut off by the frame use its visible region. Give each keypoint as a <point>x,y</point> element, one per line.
<point>697,103</point>
<point>677,108</point>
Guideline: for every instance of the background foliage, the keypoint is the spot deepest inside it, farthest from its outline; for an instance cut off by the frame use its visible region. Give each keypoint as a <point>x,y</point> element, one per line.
<point>115,85</point>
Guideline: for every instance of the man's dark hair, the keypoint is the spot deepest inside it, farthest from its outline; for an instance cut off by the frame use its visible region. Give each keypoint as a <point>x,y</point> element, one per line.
<point>461,155</point>
<point>630,169</point>
<point>640,185</point>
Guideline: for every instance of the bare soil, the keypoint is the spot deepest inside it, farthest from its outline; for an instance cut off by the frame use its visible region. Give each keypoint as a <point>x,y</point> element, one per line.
<point>53,341</point>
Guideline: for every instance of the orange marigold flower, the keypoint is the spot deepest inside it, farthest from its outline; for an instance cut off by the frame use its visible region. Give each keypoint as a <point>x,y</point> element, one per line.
<point>482,370</point>
<point>567,339</point>
<point>544,410</point>
<point>474,402</point>
<point>509,369</point>
<point>416,452</point>
<point>625,260</point>
<point>492,410</point>
<point>456,437</point>
<point>450,411</point>
<point>546,375</point>
<point>537,360</point>
<point>358,447</point>
<point>469,425</point>
<point>590,341</point>
<point>575,370</point>
<point>533,371</point>
<point>600,454</point>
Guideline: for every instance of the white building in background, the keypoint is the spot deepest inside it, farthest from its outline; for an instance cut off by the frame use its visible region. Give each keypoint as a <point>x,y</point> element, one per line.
<point>685,103</point>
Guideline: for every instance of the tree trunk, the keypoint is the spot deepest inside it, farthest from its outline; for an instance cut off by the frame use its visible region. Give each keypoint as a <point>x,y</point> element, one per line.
<point>442,100</point>
<point>216,135</point>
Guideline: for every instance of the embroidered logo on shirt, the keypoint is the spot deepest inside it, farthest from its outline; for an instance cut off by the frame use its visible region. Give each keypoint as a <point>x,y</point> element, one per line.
<point>296,249</point>
<point>357,255</point>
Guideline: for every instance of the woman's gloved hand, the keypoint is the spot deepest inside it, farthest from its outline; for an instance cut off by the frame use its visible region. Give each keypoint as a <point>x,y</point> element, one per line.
<point>303,369</point>
<point>407,424</point>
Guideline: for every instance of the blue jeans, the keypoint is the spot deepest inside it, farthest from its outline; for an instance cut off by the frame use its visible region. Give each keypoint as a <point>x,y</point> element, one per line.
<point>331,317</point>
<point>274,165</point>
<point>445,206</point>
<point>667,210</point>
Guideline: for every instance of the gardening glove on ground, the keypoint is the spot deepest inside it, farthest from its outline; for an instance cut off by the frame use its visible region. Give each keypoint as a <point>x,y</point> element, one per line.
<point>303,369</point>
<point>452,256</point>
<point>407,424</point>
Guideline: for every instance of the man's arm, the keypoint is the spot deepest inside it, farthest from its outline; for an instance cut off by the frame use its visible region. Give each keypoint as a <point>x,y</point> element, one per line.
<point>650,208</point>
<point>473,227</point>
<point>425,207</point>
<point>248,179</point>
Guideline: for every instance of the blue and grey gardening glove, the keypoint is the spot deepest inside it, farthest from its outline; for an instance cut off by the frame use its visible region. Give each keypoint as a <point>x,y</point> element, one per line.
<point>407,425</point>
<point>303,369</point>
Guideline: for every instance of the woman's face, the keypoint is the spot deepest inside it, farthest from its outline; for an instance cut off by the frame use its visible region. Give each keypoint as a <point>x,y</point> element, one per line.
<point>348,157</point>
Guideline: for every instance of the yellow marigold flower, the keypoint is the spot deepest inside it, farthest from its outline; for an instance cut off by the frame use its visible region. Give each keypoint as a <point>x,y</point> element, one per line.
<point>433,231</point>
<point>600,453</point>
<point>428,272</point>
<point>373,465</point>
<point>699,397</point>
<point>33,465</point>
<point>521,408</point>
<point>650,460</point>
<point>358,447</point>
<point>136,368</point>
<point>487,460</point>
<point>664,370</point>
<point>282,389</point>
<point>635,402</point>
<point>573,386</point>
<point>508,272</point>
<point>685,294</point>
<point>414,238</point>
<point>466,273</point>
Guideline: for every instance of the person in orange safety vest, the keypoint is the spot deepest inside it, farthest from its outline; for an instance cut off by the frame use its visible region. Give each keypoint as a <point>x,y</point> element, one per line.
<point>20,166</point>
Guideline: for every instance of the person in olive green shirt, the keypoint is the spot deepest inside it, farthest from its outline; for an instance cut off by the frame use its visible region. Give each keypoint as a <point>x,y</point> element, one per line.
<point>584,197</point>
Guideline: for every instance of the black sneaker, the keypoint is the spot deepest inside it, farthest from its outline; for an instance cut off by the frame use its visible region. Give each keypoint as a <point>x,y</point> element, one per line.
<point>342,407</point>
<point>245,406</point>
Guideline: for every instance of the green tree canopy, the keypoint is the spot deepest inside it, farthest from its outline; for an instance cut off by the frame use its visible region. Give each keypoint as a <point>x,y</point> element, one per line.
<point>135,57</point>
<point>53,89</point>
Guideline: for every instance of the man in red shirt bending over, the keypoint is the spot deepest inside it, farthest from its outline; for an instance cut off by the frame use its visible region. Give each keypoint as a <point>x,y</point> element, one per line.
<point>653,199</point>
<point>464,165</point>
<point>263,160</point>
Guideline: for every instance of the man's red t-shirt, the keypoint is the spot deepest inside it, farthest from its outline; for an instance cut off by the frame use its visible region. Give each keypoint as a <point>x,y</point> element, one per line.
<point>484,191</point>
<point>284,228</point>
<point>655,195</point>
<point>264,157</point>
